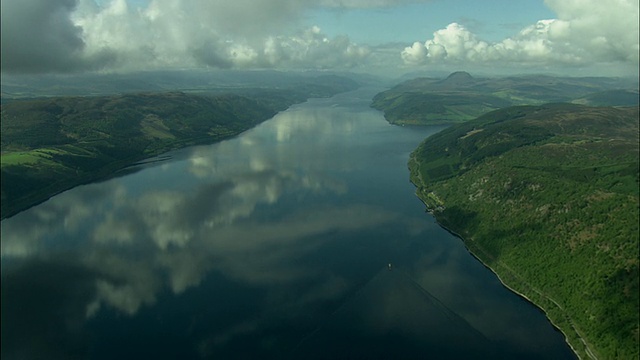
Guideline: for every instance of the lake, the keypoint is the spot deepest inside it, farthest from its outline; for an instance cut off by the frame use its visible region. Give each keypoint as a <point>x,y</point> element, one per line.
<point>300,238</point>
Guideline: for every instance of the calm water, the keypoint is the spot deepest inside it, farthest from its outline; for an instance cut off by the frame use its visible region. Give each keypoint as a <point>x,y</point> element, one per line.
<point>274,244</point>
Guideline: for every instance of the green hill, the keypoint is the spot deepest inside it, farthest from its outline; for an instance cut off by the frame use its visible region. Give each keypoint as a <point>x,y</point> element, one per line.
<point>53,144</point>
<point>547,196</point>
<point>461,97</point>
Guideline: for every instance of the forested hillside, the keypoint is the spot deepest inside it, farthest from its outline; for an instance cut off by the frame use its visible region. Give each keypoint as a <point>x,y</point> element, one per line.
<point>52,144</point>
<point>547,196</point>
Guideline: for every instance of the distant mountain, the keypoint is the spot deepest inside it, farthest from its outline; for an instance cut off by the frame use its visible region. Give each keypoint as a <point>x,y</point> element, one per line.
<point>461,97</point>
<point>188,81</point>
<point>457,80</point>
<point>547,196</point>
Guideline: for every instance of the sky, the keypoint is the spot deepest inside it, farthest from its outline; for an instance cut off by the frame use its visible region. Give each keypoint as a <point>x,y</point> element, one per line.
<point>386,37</point>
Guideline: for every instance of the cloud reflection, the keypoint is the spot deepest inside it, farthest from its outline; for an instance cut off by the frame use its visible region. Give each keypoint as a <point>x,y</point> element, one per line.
<point>135,247</point>
<point>25,234</point>
<point>255,236</point>
<point>141,241</point>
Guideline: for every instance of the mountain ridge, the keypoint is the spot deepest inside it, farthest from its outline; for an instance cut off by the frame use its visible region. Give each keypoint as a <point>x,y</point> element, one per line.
<point>461,97</point>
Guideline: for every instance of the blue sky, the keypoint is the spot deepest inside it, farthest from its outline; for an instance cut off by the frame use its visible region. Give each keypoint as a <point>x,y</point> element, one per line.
<point>491,20</point>
<point>388,37</point>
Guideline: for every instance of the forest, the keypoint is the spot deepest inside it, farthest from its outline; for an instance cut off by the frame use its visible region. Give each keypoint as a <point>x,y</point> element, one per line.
<point>547,196</point>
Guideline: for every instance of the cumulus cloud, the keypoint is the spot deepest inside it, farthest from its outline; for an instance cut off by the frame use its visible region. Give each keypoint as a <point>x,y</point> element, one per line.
<point>457,44</point>
<point>72,35</point>
<point>39,36</point>
<point>585,32</point>
<point>312,47</point>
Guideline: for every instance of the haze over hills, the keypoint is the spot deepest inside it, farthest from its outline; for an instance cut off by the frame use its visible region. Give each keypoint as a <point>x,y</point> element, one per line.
<point>461,97</point>
<point>191,81</point>
<point>547,196</point>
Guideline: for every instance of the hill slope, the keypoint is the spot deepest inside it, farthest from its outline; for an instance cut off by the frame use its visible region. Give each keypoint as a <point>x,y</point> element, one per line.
<point>461,97</point>
<point>547,196</point>
<point>53,144</point>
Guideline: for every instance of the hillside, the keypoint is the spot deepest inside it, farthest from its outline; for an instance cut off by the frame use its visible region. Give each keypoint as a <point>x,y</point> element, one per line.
<point>53,144</point>
<point>610,98</point>
<point>547,196</point>
<point>461,97</point>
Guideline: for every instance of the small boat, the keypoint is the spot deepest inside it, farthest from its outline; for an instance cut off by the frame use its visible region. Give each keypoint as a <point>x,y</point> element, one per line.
<point>389,267</point>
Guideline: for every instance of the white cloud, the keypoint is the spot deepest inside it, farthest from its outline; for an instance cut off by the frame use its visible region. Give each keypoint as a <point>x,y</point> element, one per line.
<point>415,54</point>
<point>38,36</point>
<point>586,32</point>
<point>218,34</point>
<point>313,48</point>
<point>77,35</point>
<point>119,35</point>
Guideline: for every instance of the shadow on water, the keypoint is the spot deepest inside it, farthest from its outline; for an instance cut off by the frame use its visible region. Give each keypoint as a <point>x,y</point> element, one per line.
<point>392,317</point>
<point>30,330</point>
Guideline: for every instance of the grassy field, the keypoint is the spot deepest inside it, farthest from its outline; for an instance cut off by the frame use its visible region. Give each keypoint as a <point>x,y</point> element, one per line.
<point>28,158</point>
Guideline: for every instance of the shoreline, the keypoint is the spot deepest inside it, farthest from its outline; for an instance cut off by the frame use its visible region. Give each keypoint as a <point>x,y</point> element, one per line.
<point>115,169</point>
<point>149,156</point>
<point>510,287</point>
<point>131,164</point>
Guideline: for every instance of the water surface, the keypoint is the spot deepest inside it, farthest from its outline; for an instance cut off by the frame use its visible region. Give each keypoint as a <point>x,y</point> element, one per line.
<point>274,244</point>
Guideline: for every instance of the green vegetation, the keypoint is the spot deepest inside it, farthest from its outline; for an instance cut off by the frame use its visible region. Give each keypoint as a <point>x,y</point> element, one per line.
<point>611,98</point>
<point>461,97</point>
<point>547,196</point>
<point>53,144</point>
